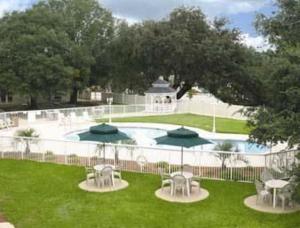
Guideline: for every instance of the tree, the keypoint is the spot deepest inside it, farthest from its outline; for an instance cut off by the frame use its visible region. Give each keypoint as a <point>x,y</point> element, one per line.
<point>56,46</point>
<point>297,173</point>
<point>89,28</point>
<point>195,52</point>
<point>31,51</point>
<point>277,119</point>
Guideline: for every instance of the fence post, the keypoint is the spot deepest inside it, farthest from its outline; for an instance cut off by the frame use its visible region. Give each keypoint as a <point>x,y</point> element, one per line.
<point>43,156</point>
<point>65,152</point>
<point>231,167</point>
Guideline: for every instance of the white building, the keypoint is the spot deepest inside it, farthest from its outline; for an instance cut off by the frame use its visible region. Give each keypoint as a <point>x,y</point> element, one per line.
<point>161,97</point>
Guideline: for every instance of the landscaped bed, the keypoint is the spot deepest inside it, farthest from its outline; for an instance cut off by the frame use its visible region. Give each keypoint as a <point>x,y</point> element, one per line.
<point>47,195</point>
<point>223,125</point>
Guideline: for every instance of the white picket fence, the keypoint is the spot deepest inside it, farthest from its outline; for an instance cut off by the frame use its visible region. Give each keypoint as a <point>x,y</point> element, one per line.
<point>204,104</point>
<point>207,164</point>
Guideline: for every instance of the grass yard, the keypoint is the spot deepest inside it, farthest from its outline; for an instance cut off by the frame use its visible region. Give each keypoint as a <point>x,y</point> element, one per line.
<point>47,195</point>
<point>223,125</point>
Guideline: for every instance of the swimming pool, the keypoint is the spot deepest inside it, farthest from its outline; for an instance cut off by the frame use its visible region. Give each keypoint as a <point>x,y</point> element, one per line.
<point>144,136</point>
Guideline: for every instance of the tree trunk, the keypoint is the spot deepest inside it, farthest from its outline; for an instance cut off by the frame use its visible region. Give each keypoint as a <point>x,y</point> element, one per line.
<point>27,148</point>
<point>74,96</point>
<point>33,103</point>
<point>183,90</point>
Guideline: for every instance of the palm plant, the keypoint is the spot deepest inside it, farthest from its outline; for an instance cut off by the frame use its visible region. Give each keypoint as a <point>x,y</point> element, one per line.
<point>28,134</point>
<point>227,147</point>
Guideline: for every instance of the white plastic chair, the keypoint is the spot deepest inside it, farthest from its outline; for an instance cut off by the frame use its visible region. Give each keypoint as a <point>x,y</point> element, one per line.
<point>262,194</point>
<point>286,195</point>
<point>195,183</point>
<point>166,180</point>
<point>117,173</point>
<point>90,174</point>
<point>179,183</point>
<point>105,177</point>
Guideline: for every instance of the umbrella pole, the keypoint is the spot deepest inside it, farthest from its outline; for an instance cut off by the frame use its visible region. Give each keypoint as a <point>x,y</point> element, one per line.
<point>104,153</point>
<point>181,159</point>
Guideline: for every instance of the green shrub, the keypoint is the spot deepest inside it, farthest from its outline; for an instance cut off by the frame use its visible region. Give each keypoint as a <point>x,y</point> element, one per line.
<point>49,156</point>
<point>162,164</point>
<point>73,159</point>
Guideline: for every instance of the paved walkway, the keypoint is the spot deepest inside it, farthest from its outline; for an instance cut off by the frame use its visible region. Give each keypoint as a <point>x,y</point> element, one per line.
<point>6,225</point>
<point>251,203</point>
<point>195,196</point>
<point>91,187</point>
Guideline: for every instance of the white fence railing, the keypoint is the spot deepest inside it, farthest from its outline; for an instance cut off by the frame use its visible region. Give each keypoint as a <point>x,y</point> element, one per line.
<point>71,115</point>
<point>208,164</point>
<point>204,104</point>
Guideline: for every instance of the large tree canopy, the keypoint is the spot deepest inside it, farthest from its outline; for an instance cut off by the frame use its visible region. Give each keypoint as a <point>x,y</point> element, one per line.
<point>56,46</point>
<point>195,51</point>
<point>278,118</point>
<point>32,50</point>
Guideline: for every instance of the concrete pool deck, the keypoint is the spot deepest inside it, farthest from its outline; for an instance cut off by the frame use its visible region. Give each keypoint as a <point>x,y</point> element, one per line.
<point>56,130</point>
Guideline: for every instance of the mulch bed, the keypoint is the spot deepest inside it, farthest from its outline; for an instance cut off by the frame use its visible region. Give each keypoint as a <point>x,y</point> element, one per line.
<point>2,219</point>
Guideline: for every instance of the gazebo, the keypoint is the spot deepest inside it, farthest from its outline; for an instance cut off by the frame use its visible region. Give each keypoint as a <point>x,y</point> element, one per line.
<point>161,97</point>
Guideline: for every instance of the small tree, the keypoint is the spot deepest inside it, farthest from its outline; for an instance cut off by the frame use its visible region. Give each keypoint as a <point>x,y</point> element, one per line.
<point>297,173</point>
<point>191,93</point>
<point>227,147</point>
<point>28,133</point>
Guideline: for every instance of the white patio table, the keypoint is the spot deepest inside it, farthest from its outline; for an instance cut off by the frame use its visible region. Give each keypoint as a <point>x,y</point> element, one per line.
<point>188,176</point>
<point>275,184</point>
<point>99,168</point>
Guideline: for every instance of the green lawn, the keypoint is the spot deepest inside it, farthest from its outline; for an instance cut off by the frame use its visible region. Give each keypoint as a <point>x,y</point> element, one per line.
<point>46,195</point>
<point>223,125</point>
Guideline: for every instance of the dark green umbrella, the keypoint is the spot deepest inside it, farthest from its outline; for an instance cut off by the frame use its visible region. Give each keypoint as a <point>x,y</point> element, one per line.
<point>182,137</point>
<point>103,133</point>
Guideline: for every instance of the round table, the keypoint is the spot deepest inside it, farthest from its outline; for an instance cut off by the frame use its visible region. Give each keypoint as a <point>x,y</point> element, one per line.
<point>188,176</point>
<point>99,168</point>
<point>275,184</point>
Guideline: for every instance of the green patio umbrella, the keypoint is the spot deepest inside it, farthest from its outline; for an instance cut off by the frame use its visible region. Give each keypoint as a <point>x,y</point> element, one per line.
<point>182,137</point>
<point>103,133</point>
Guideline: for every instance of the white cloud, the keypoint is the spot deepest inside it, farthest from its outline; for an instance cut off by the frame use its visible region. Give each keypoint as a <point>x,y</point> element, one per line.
<point>156,9</point>
<point>11,5</point>
<point>257,42</point>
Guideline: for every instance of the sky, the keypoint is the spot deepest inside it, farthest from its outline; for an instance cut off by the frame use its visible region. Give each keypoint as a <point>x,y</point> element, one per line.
<point>241,13</point>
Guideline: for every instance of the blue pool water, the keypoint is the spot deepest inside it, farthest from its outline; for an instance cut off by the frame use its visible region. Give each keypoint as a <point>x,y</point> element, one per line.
<point>145,137</point>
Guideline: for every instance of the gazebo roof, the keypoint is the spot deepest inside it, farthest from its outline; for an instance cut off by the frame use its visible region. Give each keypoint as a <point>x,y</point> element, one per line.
<point>160,82</point>
<point>160,86</point>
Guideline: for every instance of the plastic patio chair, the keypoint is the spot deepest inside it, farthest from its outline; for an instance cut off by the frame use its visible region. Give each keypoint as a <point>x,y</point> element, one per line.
<point>117,173</point>
<point>166,179</point>
<point>106,177</point>
<point>262,194</point>
<point>90,174</point>
<point>179,183</point>
<point>286,195</point>
<point>195,183</point>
